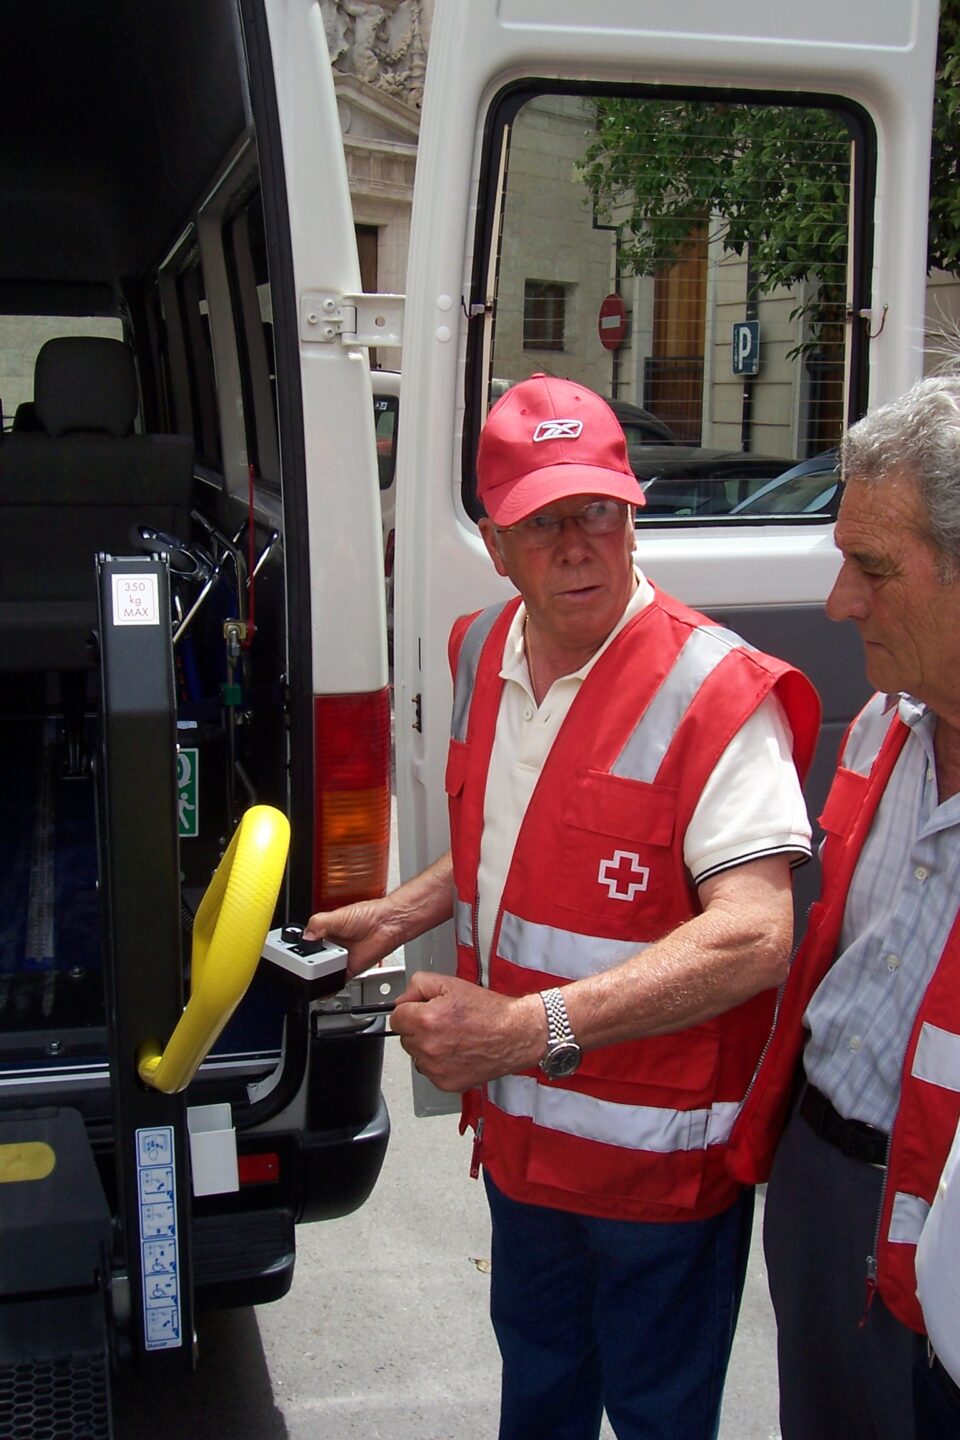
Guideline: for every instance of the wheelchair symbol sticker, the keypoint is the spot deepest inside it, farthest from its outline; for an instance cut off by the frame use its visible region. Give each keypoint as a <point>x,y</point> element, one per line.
<point>159,1251</point>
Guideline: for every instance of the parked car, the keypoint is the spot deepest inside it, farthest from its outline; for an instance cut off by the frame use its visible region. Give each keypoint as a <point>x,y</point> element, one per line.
<point>809,488</point>
<point>708,482</point>
<point>642,427</point>
<point>681,480</point>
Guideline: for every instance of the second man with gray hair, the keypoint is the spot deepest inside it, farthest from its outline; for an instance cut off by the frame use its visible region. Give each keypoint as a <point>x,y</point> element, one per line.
<point>864,1067</point>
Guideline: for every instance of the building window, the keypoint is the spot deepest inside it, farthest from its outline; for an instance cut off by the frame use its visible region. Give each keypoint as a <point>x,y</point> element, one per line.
<point>544,314</point>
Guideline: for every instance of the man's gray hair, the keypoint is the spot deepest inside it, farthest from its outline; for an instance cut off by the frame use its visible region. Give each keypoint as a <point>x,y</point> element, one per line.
<point>920,433</point>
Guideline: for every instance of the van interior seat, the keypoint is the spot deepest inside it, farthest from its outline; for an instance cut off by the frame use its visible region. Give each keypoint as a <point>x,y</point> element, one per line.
<point>80,484</point>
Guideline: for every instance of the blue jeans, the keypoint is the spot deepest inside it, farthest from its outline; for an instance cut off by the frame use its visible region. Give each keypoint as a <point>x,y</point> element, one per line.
<point>632,1317</point>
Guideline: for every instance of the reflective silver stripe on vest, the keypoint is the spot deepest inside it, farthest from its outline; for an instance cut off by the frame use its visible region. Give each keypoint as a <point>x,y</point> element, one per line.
<point>937,1057</point>
<point>562,953</point>
<point>467,663</point>
<point>628,1127</point>
<point>463,922</point>
<point>907,1218</point>
<point>701,653</point>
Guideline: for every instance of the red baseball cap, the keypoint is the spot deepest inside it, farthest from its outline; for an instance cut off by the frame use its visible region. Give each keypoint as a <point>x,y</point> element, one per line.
<point>547,439</point>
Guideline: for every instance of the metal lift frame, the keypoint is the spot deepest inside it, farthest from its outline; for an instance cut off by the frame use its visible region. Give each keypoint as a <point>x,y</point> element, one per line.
<point>143,969</point>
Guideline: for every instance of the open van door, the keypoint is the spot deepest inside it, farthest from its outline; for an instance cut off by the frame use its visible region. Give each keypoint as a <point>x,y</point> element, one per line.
<point>193,656</point>
<point>713,215</point>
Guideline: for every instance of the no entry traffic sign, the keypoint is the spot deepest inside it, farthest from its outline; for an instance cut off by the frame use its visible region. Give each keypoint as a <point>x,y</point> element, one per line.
<point>612,322</point>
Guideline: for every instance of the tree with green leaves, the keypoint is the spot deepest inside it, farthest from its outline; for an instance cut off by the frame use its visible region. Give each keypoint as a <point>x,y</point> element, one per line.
<point>771,178</point>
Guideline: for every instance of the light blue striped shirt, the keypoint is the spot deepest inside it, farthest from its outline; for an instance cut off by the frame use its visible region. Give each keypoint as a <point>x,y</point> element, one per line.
<point>902,903</point>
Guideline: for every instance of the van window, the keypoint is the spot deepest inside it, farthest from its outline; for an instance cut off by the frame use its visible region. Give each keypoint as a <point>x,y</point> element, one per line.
<point>694,261</point>
<point>385,410</point>
<point>193,325</point>
<point>245,254</point>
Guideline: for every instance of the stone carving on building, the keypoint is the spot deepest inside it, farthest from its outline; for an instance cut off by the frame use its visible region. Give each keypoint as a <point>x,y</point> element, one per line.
<point>383,43</point>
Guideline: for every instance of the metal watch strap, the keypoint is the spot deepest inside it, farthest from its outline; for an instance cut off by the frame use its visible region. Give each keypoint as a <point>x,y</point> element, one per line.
<point>558,1021</point>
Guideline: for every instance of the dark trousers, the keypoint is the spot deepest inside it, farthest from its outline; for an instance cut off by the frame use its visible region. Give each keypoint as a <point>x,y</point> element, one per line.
<point>936,1402</point>
<point>846,1369</point>
<point>631,1317</point>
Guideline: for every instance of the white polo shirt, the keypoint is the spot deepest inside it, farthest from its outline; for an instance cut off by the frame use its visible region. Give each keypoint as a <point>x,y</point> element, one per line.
<point>751,806</point>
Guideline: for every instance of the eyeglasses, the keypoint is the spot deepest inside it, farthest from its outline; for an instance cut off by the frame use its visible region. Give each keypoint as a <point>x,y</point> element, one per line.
<point>600,517</point>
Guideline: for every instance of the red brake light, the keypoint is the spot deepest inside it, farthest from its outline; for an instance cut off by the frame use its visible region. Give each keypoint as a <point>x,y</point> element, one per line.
<point>351,758</point>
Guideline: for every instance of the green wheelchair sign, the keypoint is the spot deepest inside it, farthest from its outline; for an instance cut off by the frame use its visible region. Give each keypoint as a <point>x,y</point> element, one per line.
<point>188,793</point>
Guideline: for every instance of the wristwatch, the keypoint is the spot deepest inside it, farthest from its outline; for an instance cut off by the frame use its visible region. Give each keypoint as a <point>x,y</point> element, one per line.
<point>562,1055</point>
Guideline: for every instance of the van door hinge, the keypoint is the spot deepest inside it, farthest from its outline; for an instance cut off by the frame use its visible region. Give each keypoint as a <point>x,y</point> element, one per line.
<point>326,317</point>
<point>418,714</point>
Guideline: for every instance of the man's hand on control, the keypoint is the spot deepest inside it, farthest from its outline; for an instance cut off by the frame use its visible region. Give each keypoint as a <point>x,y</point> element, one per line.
<point>359,928</point>
<point>460,1035</point>
<point>371,930</point>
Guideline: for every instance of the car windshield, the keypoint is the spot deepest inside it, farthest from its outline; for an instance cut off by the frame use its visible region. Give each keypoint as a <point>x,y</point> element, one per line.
<point>807,489</point>
<point>706,484</point>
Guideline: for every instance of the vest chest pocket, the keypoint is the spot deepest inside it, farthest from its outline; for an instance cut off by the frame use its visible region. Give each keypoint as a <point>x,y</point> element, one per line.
<point>617,860</point>
<point>839,815</point>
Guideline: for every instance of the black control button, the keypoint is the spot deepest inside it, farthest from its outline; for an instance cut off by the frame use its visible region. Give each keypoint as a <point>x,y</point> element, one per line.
<point>308,947</point>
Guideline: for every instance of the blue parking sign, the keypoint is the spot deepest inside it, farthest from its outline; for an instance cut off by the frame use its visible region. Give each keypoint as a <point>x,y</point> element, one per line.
<point>746,347</point>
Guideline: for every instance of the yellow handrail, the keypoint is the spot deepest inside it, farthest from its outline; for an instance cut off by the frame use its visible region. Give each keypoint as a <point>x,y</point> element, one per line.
<point>229,929</point>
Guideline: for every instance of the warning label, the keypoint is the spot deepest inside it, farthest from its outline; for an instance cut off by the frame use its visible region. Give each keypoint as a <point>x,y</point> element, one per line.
<point>159,1254</point>
<point>135,600</point>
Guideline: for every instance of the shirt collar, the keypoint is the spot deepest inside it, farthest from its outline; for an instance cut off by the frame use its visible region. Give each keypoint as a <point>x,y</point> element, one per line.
<point>911,711</point>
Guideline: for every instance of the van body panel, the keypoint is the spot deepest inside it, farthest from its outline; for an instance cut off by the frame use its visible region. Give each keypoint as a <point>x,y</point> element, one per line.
<point>879,60</point>
<point>340,484</point>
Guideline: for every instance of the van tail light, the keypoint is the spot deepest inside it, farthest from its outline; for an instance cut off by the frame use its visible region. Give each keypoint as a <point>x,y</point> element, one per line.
<point>351,827</point>
<point>388,555</point>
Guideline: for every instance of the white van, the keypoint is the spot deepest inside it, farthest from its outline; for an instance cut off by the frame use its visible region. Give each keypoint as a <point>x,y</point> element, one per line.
<point>177,226</point>
<point>518,264</point>
<point>176,256</point>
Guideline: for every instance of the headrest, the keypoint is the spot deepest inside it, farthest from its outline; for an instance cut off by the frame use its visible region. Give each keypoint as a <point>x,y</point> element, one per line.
<point>84,382</point>
<point>25,417</point>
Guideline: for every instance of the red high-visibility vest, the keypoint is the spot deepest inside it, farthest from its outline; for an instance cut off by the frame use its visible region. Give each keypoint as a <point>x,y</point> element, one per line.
<point>929,1105</point>
<point>597,873</point>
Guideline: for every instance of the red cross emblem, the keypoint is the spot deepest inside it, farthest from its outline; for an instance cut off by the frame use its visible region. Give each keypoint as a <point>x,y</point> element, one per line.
<point>623,875</point>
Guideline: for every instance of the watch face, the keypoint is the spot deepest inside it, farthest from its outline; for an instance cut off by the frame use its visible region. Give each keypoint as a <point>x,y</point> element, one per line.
<point>561,1060</point>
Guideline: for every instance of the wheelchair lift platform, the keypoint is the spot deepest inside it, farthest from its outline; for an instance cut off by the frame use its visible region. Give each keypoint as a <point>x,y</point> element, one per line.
<point>56,1232</point>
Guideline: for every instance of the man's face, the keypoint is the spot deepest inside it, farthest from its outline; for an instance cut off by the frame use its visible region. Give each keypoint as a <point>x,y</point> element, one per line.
<point>890,585</point>
<point>576,588</point>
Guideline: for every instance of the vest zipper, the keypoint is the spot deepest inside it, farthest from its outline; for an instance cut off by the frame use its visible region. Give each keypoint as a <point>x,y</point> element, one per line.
<point>781,989</point>
<point>763,1053</point>
<point>476,1151</point>
<point>871,1278</point>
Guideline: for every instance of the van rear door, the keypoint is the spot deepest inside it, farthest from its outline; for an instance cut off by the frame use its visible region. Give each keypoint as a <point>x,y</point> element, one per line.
<point>715,216</point>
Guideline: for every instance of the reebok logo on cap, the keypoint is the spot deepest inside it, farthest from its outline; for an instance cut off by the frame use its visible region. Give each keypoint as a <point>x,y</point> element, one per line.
<point>558,430</point>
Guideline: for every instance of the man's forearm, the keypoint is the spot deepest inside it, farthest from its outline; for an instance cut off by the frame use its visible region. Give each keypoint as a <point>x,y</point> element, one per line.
<point>740,945</point>
<point>420,904</point>
<point>707,966</point>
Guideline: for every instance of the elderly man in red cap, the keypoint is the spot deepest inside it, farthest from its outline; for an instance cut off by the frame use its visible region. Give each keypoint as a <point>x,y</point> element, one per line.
<point>624,812</point>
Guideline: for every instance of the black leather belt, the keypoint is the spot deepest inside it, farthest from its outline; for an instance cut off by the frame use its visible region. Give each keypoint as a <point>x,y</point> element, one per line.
<point>853,1137</point>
